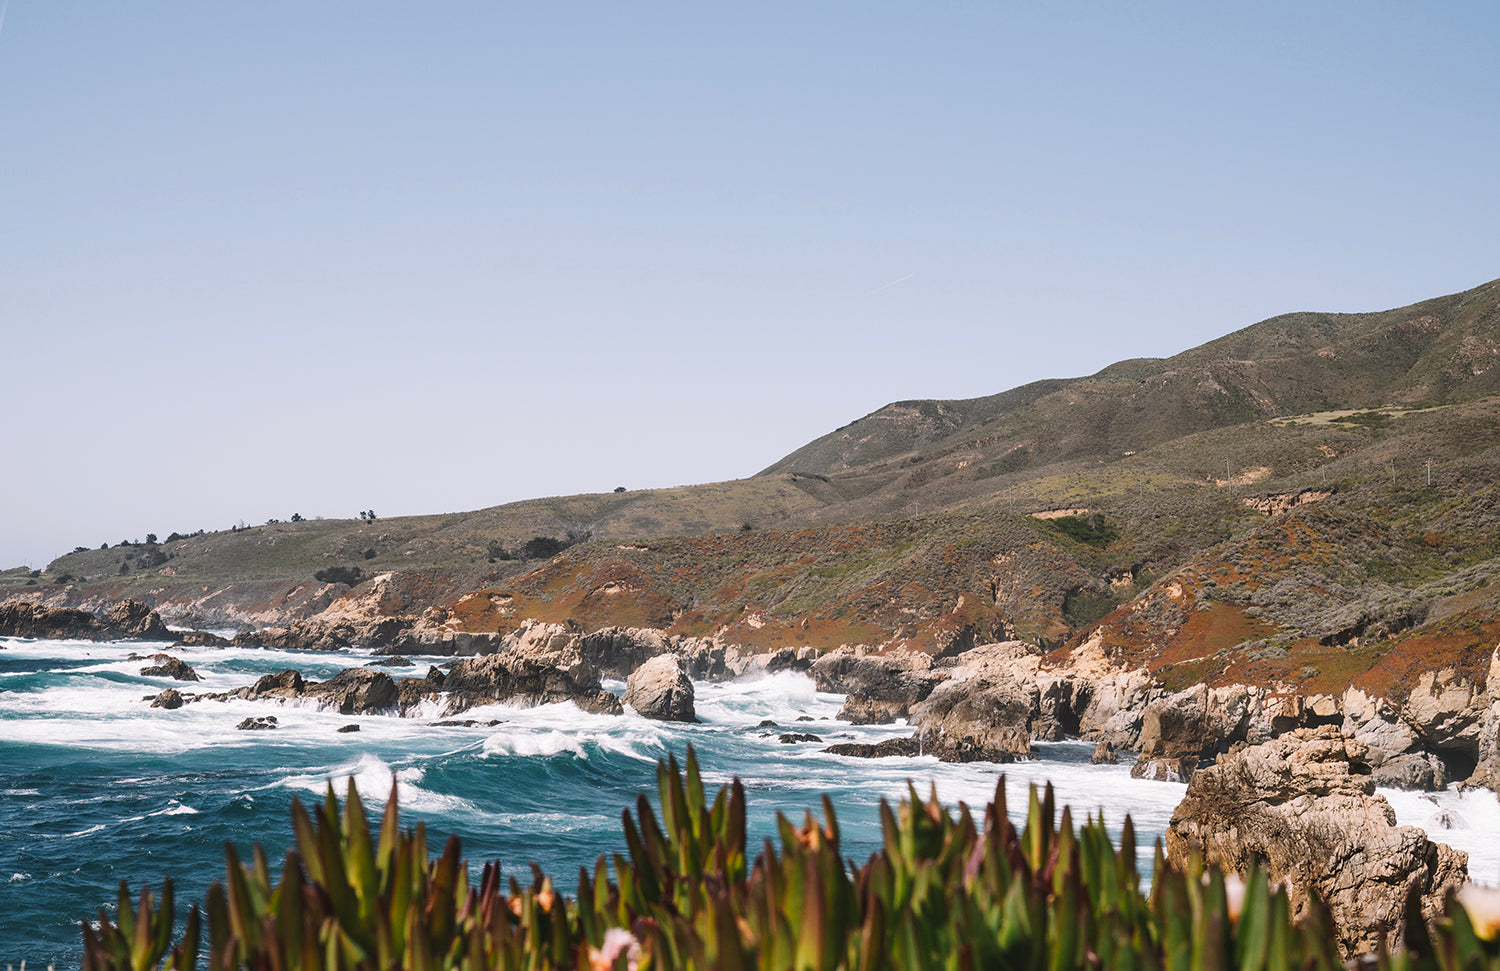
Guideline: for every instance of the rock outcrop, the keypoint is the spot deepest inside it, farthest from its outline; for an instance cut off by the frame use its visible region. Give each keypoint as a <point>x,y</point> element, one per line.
<point>985,710</point>
<point>878,688</point>
<point>1303,808</point>
<point>524,677</point>
<point>660,689</point>
<point>126,620</point>
<point>535,676</point>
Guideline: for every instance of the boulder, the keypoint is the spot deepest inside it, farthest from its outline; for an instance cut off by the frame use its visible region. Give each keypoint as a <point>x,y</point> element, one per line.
<point>201,638</point>
<point>170,699</point>
<point>356,691</point>
<point>257,723</point>
<point>1104,754</point>
<point>1303,807</point>
<point>167,666</point>
<point>660,689</point>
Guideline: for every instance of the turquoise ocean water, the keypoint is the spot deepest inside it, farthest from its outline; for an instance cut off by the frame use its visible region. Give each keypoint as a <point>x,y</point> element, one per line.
<point>98,787</point>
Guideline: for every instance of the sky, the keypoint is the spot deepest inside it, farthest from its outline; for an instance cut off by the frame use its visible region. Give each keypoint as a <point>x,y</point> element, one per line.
<point>275,258</point>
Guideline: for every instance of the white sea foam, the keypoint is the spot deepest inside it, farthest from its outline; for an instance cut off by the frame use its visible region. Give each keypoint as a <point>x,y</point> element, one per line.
<point>1465,820</point>
<point>18,877</point>
<point>372,778</point>
<point>84,832</point>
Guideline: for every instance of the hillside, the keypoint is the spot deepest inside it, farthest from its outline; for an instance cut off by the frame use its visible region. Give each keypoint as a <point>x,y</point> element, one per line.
<point>1310,500</point>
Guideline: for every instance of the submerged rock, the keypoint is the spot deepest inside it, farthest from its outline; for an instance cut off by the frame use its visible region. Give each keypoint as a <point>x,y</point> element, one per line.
<point>907,747</point>
<point>1303,807</point>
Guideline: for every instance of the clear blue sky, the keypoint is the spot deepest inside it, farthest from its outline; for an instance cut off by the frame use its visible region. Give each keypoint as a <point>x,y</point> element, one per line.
<point>258,259</point>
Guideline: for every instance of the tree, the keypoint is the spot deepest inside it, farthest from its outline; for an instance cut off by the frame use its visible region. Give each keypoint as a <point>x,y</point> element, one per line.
<point>619,488</point>
<point>541,548</point>
<point>150,539</point>
<point>296,517</point>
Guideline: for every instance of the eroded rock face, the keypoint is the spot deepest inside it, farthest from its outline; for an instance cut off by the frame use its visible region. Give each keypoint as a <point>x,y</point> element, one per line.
<point>879,688</point>
<point>984,711</point>
<point>126,620</point>
<point>1303,807</point>
<point>1487,746</point>
<point>530,676</point>
<point>1179,731</point>
<point>660,689</point>
<point>133,619</point>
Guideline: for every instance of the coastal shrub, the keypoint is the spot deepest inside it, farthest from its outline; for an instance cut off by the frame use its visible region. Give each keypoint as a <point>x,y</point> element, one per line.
<point>541,548</point>
<point>369,554</point>
<point>1091,530</point>
<point>340,574</point>
<point>941,892</point>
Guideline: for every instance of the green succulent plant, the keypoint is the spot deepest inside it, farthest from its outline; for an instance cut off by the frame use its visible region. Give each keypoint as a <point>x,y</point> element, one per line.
<point>942,892</point>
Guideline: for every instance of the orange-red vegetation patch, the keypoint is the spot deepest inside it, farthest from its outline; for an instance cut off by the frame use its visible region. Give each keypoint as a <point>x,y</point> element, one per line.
<point>1464,643</point>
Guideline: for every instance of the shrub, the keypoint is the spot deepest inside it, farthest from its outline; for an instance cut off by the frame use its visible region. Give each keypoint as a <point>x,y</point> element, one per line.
<point>370,554</point>
<point>940,893</point>
<point>340,574</point>
<point>1091,530</point>
<point>541,548</point>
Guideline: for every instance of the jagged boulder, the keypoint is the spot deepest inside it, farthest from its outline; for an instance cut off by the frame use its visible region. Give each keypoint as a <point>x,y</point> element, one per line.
<point>167,666</point>
<point>661,689</point>
<point>356,691</point>
<point>133,619</point>
<point>284,684</point>
<point>170,699</point>
<point>1303,807</point>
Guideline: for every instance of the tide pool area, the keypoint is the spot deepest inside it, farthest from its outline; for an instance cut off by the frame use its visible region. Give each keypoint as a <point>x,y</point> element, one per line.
<point>98,787</point>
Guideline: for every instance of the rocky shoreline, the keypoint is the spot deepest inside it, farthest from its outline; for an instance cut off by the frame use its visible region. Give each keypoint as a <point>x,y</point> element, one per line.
<point>1277,779</point>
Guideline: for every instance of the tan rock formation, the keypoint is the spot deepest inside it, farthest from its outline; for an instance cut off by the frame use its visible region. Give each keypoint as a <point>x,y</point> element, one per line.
<point>660,689</point>
<point>1303,808</point>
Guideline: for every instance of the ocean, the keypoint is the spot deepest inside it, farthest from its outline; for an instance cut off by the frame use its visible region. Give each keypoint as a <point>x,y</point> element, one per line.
<point>97,787</point>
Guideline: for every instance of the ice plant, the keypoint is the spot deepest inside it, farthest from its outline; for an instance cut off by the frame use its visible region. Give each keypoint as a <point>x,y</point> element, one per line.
<point>944,891</point>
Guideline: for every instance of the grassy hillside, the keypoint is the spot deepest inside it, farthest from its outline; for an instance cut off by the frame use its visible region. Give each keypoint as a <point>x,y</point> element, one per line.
<point>1311,500</point>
